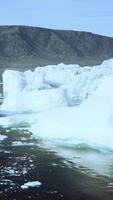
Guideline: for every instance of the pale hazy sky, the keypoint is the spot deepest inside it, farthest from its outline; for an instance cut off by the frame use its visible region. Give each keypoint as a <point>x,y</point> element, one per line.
<point>85,15</point>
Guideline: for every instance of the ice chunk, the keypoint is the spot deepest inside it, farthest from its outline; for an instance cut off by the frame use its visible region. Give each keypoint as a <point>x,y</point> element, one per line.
<point>2,137</point>
<point>31,184</point>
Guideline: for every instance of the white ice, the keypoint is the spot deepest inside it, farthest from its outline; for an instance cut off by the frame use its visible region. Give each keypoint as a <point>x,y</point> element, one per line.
<point>65,102</point>
<point>2,137</point>
<point>31,184</point>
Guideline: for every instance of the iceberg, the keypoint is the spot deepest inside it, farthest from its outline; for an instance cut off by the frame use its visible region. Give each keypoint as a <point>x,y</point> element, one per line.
<point>67,101</point>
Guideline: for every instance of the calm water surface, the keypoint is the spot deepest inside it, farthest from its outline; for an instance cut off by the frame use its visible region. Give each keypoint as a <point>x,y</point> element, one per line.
<point>24,159</point>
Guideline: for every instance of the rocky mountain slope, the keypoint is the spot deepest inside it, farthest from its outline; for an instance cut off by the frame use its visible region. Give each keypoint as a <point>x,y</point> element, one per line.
<point>22,47</point>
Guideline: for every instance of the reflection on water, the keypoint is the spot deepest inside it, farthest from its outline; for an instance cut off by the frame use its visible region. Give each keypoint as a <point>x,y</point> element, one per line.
<point>65,171</point>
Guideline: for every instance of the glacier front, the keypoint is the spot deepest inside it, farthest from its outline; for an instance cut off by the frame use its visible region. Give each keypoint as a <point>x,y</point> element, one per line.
<point>66,101</point>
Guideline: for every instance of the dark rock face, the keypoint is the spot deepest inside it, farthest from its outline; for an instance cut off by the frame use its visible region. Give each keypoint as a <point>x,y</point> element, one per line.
<point>22,47</point>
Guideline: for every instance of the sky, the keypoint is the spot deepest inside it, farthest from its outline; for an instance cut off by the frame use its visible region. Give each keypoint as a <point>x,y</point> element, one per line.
<point>84,15</point>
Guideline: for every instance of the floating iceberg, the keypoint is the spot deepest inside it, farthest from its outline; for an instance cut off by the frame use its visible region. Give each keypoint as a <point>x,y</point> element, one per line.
<point>31,184</point>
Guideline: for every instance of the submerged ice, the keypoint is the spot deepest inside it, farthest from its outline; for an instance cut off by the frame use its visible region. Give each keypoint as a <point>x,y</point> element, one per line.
<point>67,102</point>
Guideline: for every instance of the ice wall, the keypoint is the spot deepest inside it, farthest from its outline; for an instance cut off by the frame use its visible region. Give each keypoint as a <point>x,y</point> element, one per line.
<point>51,86</point>
<point>71,102</point>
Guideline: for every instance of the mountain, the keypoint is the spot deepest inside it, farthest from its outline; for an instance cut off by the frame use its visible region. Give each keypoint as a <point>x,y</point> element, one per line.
<point>24,46</point>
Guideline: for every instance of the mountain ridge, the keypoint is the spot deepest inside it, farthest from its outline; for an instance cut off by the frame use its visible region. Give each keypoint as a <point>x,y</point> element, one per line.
<point>27,46</point>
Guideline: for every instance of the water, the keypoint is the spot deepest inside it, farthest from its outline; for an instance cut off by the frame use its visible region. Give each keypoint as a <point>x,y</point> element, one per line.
<point>23,159</point>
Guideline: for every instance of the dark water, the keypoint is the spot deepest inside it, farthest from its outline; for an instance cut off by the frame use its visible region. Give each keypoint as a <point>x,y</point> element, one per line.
<point>30,161</point>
